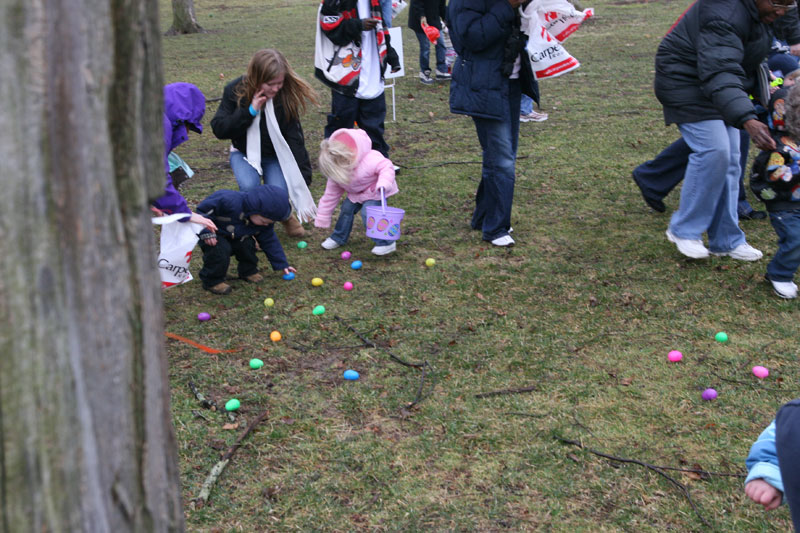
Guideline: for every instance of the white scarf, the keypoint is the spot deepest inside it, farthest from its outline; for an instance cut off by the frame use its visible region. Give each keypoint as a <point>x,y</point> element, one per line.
<point>299,194</point>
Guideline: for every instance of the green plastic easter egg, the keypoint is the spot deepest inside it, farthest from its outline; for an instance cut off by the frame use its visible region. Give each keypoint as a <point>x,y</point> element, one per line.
<point>721,337</point>
<point>232,405</point>
<point>255,364</point>
<point>318,310</point>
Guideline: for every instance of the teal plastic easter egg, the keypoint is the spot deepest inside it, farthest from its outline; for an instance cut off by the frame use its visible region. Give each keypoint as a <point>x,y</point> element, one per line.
<point>350,375</point>
<point>355,265</point>
<point>302,244</point>
<point>318,310</point>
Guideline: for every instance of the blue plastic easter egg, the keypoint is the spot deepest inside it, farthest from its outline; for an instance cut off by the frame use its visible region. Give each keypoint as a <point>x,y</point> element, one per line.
<point>355,265</point>
<point>350,375</point>
<point>289,276</point>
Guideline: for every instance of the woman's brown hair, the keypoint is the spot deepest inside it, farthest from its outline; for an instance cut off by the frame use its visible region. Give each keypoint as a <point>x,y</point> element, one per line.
<point>266,65</point>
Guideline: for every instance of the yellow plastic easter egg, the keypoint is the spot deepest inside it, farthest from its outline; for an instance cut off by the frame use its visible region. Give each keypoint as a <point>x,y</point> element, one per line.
<point>316,282</point>
<point>269,302</point>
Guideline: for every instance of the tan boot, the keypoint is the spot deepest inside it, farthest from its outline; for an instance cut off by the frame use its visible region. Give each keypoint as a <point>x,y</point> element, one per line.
<point>293,227</point>
<point>220,288</point>
<point>254,278</point>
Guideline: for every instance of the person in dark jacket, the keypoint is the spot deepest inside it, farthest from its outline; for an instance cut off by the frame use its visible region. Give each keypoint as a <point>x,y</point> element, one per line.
<point>787,442</point>
<point>776,181</point>
<point>488,77</point>
<point>242,217</point>
<point>184,107</point>
<point>431,13</point>
<point>246,99</point>
<point>705,68</point>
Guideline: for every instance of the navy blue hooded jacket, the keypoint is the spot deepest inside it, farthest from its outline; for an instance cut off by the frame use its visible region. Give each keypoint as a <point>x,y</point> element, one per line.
<point>230,211</point>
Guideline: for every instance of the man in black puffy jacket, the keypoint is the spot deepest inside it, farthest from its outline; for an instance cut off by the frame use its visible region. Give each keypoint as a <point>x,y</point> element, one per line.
<point>705,69</point>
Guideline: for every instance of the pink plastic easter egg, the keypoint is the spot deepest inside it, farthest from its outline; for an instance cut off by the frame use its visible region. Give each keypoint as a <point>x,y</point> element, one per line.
<point>202,317</point>
<point>345,255</point>
<point>347,286</point>
<point>760,372</point>
<point>709,394</point>
<point>674,356</point>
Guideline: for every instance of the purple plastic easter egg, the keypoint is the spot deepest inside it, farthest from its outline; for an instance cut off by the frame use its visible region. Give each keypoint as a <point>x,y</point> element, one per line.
<point>674,356</point>
<point>347,286</point>
<point>709,394</point>
<point>760,372</point>
<point>202,317</point>
<point>345,255</point>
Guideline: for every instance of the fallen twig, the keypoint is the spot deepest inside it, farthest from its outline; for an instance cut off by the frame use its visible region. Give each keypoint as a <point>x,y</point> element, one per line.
<point>752,385</point>
<point>209,404</point>
<point>208,484</point>
<point>654,468</point>
<point>505,391</point>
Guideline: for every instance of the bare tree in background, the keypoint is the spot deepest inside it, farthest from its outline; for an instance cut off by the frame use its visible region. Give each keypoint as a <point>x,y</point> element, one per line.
<point>86,439</point>
<point>183,18</point>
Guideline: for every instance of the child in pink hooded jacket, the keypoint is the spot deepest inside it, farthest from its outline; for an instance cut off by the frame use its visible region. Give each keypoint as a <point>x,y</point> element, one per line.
<point>353,168</point>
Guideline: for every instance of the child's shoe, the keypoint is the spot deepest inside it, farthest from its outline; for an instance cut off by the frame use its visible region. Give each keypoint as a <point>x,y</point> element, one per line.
<point>330,244</point>
<point>505,240</point>
<point>254,278</point>
<point>220,288</point>
<point>425,77</point>
<point>784,289</point>
<point>384,250</point>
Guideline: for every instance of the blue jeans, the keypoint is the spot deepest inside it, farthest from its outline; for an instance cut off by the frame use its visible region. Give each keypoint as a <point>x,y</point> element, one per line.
<point>525,105</point>
<point>386,12</point>
<point>425,52</point>
<point>247,177</point>
<point>787,259</point>
<point>710,186</point>
<point>660,175</point>
<point>344,225</point>
<point>495,194</point>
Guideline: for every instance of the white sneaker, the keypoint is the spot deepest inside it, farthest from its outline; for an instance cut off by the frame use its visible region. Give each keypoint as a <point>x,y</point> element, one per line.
<point>384,250</point>
<point>425,77</point>
<point>743,252</point>
<point>330,244</point>
<point>505,240</point>
<point>442,75</point>
<point>533,116</point>
<point>689,247</point>
<point>784,289</point>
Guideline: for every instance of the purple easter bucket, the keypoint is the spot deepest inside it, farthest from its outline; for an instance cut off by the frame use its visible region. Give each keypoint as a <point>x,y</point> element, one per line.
<point>383,222</point>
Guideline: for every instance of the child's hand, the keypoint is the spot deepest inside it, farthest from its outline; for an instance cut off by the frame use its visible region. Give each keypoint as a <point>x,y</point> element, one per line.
<point>203,221</point>
<point>763,493</point>
<point>209,238</point>
<point>289,269</point>
<point>158,212</point>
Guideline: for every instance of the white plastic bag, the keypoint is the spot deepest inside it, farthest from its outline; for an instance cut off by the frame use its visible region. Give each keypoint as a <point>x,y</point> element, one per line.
<point>398,6</point>
<point>563,24</point>
<point>548,58</point>
<point>177,242</point>
<point>547,23</point>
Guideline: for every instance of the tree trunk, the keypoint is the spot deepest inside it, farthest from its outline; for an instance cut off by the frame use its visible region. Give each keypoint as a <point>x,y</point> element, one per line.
<point>183,18</point>
<point>86,440</point>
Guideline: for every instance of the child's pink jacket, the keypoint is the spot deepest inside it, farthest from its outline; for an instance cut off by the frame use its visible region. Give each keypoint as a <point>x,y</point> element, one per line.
<point>372,171</point>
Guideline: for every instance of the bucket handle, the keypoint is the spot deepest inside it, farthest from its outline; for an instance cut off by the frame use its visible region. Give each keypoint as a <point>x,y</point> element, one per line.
<point>383,200</point>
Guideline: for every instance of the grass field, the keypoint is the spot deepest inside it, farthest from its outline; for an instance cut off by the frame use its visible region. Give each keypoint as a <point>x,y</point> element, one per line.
<point>581,313</point>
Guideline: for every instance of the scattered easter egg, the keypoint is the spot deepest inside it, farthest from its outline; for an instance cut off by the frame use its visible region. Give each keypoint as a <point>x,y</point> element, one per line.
<point>302,244</point>
<point>721,337</point>
<point>350,375</point>
<point>430,261</point>
<point>269,302</point>
<point>760,372</point>
<point>347,286</point>
<point>255,364</point>
<point>355,265</point>
<point>202,317</point>
<point>318,310</point>
<point>232,404</point>
<point>288,276</point>
<point>345,255</point>
<point>709,394</point>
<point>317,282</point>
<point>674,356</point>
<point>275,336</point>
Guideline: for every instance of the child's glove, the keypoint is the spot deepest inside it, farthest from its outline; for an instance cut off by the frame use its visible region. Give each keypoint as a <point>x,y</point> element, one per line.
<point>208,237</point>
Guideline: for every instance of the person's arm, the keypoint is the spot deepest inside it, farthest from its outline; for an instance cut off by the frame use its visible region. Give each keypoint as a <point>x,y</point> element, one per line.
<point>231,120</point>
<point>341,30</point>
<point>787,442</point>
<point>788,28</point>
<point>762,465</point>
<point>480,28</point>
<point>384,169</point>
<point>271,246</point>
<point>327,203</point>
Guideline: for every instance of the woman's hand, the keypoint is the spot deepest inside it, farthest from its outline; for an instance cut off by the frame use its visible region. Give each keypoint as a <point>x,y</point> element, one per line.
<point>203,221</point>
<point>259,99</point>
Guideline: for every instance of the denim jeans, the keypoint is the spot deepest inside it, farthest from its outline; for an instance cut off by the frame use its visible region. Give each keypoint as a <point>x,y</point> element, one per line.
<point>525,105</point>
<point>344,225</point>
<point>495,193</point>
<point>787,259</point>
<point>425,52</point>
<point>386,12</point>
<point>247,177</point>
<point>370,115</point>
<point>710,186</point>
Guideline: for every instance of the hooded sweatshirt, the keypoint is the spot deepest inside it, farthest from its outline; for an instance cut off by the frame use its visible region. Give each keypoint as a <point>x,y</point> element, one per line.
<point>184,106</point>
<point>372,171</point>
<point>230,211</point>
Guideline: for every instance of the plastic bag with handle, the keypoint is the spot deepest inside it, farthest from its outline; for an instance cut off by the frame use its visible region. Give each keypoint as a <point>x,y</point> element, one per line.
<point>177,242</point>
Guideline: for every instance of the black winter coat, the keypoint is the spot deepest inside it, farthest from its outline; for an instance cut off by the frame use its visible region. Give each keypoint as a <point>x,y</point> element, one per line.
<point>707,65</point>
<point>434,12</point>
<point>232,121</point>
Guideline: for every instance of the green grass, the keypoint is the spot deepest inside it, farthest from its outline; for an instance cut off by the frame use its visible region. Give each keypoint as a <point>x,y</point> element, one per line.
<point>585,308</point>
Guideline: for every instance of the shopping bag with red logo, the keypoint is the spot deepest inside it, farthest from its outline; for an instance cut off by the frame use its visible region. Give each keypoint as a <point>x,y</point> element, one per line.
<point>177,242</point>
<point>561,18</point>
<point>548,58</point>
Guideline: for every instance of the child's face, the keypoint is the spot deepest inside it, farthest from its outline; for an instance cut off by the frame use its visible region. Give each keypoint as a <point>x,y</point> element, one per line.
<point>271,88</point>
<point>788,82</point>
<point>259,220</point>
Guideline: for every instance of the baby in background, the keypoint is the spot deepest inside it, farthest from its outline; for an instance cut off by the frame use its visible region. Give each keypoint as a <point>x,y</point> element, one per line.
<point>358,172</point>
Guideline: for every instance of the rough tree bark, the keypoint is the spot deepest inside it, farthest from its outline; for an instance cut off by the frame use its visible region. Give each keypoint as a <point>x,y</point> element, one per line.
<point>86,440</point>
<point>183,18</point>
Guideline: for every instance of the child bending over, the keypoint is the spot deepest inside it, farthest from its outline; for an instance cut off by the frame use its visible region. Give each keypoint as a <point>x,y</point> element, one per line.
<point>242,217</point>
<point>353,168</point>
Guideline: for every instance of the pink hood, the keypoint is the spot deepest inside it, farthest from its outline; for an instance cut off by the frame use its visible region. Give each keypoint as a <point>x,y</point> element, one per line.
<point>372,171</point>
